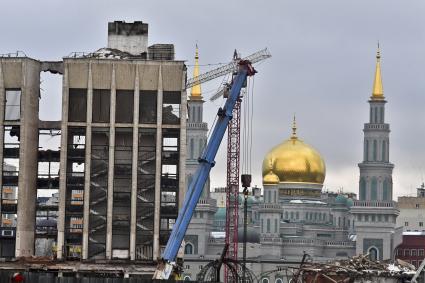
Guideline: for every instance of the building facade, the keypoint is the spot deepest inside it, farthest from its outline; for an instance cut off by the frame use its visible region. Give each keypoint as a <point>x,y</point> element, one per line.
<point>122,152</point>
<point>412,248</point>
<point>411,216</point>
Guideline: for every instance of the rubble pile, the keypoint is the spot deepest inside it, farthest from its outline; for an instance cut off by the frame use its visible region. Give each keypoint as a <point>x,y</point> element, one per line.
<point>348,270</point>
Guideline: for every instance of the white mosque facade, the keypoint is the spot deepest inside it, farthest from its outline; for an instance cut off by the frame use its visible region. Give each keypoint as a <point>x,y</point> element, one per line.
<point>293,216</point>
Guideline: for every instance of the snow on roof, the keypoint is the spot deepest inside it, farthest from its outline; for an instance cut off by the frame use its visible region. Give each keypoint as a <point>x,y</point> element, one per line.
<point>218,235</point>
<point>413,233</point>
<point>299,201</point>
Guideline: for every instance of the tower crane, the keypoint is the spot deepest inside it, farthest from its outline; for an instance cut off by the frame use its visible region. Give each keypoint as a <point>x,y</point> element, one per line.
<point>243,69</point>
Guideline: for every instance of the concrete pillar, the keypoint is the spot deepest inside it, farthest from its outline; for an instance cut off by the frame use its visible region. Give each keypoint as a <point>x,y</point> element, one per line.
<point>2,100</point>
<point>183,152</point>
<point>111,167</point>
<point>62,171</point>
<point>27,184</point>
<point>157,219</point>
<point>134,166</point>
<point>87,165</point>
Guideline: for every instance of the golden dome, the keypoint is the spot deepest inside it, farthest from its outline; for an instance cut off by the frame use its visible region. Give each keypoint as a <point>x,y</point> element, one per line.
<point>270,178</point>
<point>294,161</point>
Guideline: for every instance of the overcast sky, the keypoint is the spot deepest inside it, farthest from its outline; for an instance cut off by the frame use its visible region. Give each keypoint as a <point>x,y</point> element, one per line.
<point>322,66</point>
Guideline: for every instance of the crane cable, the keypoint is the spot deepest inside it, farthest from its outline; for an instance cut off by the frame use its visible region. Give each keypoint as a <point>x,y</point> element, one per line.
<point>247,128</point>
<point>225,78</point>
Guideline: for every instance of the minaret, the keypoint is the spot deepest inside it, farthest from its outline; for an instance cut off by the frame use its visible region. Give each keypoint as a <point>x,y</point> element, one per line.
<point>197,130</point>
<point>376,170</point>
<point>375,213</point>
<point>201,225</point>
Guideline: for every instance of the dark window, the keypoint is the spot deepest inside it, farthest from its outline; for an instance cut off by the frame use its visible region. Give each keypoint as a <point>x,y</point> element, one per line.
<point>122,188</point>
<point>98,192</point>
<point>188,249</point>
<point>373,254</point>
<point>147,106</point>
<point>124,106</point>
<point>146,161</point>
<point>171,107</point>
<point>101,105</point>
<point>77,105</point>
<point>74,191</point>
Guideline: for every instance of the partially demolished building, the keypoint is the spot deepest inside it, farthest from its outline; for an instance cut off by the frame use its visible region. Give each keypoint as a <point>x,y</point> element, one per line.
<point>121,154</point>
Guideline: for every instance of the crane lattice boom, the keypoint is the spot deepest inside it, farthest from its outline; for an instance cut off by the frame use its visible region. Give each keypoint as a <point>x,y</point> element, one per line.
<point>229,68</point>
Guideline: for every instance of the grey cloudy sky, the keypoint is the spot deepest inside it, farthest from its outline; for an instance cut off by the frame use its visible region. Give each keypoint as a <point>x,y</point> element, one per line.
<point>322,65</point>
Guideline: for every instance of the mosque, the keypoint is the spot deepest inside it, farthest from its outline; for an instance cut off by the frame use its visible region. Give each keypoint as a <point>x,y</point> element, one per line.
<point>293,216</point>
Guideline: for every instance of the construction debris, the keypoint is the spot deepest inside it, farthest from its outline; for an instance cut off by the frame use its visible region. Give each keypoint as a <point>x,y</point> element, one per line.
<point>356,269</point>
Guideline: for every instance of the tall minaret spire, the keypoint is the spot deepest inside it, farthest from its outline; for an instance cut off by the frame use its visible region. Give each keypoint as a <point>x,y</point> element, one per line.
<point>378,90</point>
<point>195,92</point>
<point>375,212</point>
<point>376,169</point>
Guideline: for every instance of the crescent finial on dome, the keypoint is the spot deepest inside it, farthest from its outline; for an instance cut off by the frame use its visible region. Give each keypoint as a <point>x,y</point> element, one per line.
<point>294,128</point>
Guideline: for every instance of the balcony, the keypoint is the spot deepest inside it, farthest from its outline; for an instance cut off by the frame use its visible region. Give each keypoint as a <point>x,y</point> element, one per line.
<point>374,203</point>
<point>376,127</point>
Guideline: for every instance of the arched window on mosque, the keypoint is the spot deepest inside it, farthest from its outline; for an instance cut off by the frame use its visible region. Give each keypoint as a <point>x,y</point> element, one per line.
<point>366,151</point>
<point>371,114</point>
<point>188,249</point>
<point>376,114</point>
<point>362,189</point>
<point>374,189</point>
<point>386,190</point>
<point>189,180</point>
<point>384,151</point>
<point>192,148</point>
<point>375,150</point>
<point>382,115</point>
<point>373,253</point>
<point>201,147</point>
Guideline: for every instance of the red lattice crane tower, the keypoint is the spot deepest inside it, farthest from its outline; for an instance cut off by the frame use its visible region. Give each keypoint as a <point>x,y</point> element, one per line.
<point>233,153</point>
<point>232,186</point>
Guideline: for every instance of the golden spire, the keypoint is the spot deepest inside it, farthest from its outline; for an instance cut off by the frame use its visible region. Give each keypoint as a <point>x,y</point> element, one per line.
<point>294,129</point>
<point>378,90</point>
<point>195,92</point>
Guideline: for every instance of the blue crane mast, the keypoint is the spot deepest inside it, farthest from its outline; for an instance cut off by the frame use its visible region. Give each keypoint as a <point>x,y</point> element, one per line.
<point>206,162</point>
